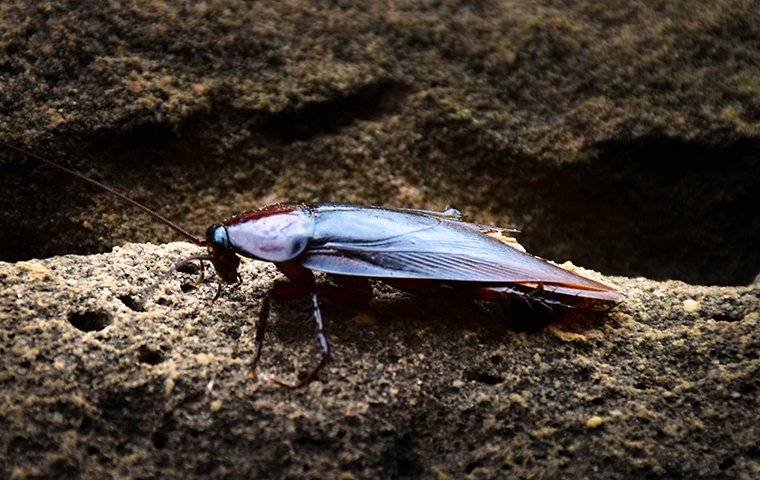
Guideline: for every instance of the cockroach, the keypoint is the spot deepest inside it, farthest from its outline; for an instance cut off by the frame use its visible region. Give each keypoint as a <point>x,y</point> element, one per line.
<point>412,250</point>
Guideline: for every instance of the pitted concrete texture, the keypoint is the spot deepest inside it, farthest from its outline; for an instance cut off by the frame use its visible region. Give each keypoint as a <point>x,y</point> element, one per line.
<point>664,386</point>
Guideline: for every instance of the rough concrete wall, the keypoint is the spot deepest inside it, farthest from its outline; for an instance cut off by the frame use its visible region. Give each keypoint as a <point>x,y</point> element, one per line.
<point>622,136</point>
<point>665,386</point>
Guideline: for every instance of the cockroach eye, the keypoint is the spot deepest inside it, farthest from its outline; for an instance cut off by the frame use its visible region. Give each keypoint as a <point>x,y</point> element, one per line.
<point>216,236</point>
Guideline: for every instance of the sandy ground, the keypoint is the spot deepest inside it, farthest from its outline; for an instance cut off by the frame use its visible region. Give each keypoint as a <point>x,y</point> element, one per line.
<point>665,386</point>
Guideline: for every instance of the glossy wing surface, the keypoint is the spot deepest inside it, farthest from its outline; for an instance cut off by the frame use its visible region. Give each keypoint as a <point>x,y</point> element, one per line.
<point>380,243</point>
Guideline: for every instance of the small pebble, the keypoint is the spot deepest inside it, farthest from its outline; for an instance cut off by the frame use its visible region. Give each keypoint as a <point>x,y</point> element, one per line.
<point>168,386</point>
<point>594,421</point>
<point>690,305</point>
<point>204,358</point>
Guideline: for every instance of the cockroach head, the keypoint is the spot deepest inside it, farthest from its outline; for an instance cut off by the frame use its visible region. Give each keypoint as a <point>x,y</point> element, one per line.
<point>223,257</point>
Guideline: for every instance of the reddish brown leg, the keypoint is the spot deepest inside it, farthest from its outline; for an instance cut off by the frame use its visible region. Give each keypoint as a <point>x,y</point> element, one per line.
<point>324,347</point>
<point>219,287</point>
<point>180,264</point>
<point>203,273</point>
<point>302,283</point>
<point>218,292</point>
<point>502,293</point>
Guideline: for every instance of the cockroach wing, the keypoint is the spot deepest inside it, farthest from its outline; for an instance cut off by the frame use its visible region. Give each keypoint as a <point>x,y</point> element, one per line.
<point>381,243</point>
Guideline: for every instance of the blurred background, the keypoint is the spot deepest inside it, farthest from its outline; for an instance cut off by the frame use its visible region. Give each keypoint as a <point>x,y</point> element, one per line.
<point>624,136</point>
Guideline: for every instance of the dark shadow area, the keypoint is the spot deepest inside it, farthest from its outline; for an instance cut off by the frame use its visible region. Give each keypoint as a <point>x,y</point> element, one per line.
<point>90,321</point>
<point>160,165</point>
<point>132,303</point>
<point>140,136</point>
<point>50,213</point>
<point>328,117</point>
<point>655,207</point>
<point>150,355</point>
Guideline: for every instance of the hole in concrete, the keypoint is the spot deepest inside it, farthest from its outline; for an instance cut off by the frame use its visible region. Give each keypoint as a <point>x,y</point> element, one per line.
<point>86,425</point>
<point>187,287</point>
<point>150,355</point>
<point>747,388</point>
<point>753,451</point>
<point>189,268</point>
<point>233,332</point>
<point>471,466</point>
<point>64,468</point>
<point>90,321</point>
<point>400,458</point>
<point>131,303</point>
<point>483,377</point>
<point>160,437</point>
<point>727,463</point>
<point>724,317</point>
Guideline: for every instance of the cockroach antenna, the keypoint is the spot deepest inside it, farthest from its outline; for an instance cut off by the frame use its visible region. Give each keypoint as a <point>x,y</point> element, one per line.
<point>196,240</point>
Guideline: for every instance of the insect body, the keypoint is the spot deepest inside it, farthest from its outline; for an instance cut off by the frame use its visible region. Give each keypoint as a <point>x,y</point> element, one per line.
<point>388,244</point>
<point>413,250</point>
<point>409,249</point>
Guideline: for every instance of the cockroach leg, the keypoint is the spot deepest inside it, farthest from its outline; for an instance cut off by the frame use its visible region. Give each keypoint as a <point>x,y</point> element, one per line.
<point>218,292</point>
<point>536,300</point>
<point>613,307</point>
<point>203,274</point>
<point>505,293</point>
<point>324,346</point>
<point>234,286</point>
<point>302,283</point>
<point>180,264</point>
<point>534,296</point>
